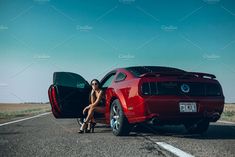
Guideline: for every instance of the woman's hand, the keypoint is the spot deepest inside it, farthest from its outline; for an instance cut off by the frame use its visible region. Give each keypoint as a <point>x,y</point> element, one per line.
<point>86,108</point>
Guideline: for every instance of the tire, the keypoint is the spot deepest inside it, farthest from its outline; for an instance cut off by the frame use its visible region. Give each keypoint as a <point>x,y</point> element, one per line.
<point>197,128</point>
<point>118,121</point>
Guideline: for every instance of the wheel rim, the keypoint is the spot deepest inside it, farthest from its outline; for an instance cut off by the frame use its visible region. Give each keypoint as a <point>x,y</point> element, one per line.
<point>115,117</point>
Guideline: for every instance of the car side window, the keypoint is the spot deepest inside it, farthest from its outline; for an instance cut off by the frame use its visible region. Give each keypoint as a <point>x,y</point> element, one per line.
<point>108,81</point>
<point>120,77</point>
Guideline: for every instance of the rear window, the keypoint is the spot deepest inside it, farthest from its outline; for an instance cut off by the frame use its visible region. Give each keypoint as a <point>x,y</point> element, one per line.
<point>137,71</point>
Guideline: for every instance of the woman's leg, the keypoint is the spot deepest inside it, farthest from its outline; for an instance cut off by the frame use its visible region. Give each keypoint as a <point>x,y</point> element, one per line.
<point>92,110</point>
<point>88,118</point>
<point>91,113</point>
<point>99,110</point>
<point>93,119</point>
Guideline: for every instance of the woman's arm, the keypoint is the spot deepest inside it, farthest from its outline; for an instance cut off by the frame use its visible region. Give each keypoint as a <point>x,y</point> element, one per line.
<point>95,103</point>
<point>91,97</point>
<point>98,99</point>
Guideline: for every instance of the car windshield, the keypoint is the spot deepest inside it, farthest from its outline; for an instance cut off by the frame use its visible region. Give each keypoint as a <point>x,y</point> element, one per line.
<point>137,71</point>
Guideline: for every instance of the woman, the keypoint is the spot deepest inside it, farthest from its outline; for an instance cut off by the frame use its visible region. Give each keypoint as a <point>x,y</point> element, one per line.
<point>97,101</point>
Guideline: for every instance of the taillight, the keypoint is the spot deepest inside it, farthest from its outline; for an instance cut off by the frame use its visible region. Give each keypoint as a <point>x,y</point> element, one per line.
<point>53,101</point>
<point>49,95</point>
<point>149,88</point>
<point>175,88</point>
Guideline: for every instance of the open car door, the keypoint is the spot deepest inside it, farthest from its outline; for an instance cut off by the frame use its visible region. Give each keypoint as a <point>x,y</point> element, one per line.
<point>68,95</point>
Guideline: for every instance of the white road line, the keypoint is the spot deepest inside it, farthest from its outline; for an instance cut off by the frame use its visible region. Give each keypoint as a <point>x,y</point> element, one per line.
<point>173,150</point>
<point>226,122</point>
<point>16,121</point>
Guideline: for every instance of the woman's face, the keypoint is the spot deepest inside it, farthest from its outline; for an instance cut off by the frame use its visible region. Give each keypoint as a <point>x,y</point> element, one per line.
<point>94,85</point>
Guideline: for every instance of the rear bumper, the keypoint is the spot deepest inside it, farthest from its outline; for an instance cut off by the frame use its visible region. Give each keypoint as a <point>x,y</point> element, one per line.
<point>175,119</point>
<point>206,113</point>
<point>182,119</point>
<point>166,111</point>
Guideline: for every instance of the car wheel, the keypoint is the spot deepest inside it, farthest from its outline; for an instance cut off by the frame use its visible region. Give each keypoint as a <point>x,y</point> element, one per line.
<point>118,121</point>
<point>197,128</point>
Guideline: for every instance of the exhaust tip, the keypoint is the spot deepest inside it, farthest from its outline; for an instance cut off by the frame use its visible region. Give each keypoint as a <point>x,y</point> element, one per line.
<point>214,117</point>
<point>154,121</point>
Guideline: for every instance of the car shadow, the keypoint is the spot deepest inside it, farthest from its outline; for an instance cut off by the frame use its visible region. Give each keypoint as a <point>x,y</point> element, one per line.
<point>215,131</point>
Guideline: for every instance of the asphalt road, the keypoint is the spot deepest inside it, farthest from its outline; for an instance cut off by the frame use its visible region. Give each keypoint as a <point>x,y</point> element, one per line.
<point>47,136</point>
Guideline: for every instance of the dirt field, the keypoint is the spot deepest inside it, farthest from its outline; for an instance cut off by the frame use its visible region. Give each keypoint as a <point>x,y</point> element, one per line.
<point>229,113</point>
<point>10,112</point>
<point>15,111</point>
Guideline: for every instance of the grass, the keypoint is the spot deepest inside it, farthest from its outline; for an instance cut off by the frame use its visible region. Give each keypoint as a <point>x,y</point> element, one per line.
<point>10,112</point>
<point>229,113</point>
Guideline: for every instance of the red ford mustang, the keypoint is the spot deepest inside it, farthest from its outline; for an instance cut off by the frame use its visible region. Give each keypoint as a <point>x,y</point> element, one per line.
<point>149,94</point>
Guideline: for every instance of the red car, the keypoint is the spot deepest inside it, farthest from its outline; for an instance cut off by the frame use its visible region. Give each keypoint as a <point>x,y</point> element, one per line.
<point>149,94</point>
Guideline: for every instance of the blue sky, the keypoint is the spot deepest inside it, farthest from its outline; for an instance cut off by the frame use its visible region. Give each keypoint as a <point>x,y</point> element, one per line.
<point>38,37</point>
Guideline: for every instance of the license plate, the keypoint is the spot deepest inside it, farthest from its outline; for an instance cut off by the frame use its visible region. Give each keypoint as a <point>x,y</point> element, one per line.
<point>188,107</point>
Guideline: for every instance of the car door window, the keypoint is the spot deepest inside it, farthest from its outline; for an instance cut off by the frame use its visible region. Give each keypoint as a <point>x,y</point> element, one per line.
<point>69,80</point>
<point>108,81</point>
<point>120,77</point>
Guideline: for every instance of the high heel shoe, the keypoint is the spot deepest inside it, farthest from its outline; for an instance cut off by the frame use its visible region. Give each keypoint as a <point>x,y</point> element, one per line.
<point>84,126</point>
<point>81,131</point>
<point>93,124</point>
<point>88,130</point>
